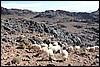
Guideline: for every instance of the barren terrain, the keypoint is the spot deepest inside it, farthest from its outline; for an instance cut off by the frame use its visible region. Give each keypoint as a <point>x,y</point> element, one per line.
<point>40,28</point>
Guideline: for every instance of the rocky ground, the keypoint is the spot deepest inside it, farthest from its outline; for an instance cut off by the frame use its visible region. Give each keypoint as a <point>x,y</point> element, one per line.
<point>41,28</point>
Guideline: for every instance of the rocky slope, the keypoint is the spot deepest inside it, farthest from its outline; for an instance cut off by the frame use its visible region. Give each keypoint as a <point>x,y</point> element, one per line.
<point>61,15</point>
<point>15,11</point>
<point>65,28</point>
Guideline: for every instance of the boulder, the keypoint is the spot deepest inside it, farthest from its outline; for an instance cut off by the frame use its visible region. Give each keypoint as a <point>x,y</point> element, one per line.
<point>46,41</point>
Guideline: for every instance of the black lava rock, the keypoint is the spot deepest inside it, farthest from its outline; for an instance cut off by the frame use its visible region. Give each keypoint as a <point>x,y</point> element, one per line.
<point>46,41</point>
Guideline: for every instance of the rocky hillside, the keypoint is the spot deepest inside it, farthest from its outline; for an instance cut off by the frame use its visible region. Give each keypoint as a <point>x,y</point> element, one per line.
<point>15,11</point>
<point>96,12</point>
<point>58,14</point>
<point>50,38</point>
<point>96,15</point>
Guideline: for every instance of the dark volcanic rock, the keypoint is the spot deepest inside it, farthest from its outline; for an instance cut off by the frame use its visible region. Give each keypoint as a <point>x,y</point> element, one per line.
<point>95,29</point>
<point>43,28</point>
<point>6,28</point>
<point>79,16</point>
<point>77,26</point>
<point>97,42</point>
<point>22,25</point>
<point>49,11</point>
<point>50,65</point>
<point>44,15</point>
<point>36,40</point>
<point>5,39</point>
<point>5,11</point>
<point>15,11</point>
<point>46,41</point>
<point>32,41</point>
<point>86,45</point>
<point>36,27</point>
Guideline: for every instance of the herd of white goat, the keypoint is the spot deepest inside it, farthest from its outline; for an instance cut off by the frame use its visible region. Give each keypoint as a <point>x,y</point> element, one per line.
<point>54,48</point>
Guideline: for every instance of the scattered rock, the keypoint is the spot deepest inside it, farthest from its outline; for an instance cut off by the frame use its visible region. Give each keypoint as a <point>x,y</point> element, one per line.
<point>32,41</point>
<point>15,60</point>
<point>40,27</point>
<point>50,65</point>
<point>77,26</point>
<point>5,39</point>
<point>8,63</point>
<point>69,65</point>
<point>46,41</point>
<point>97,56</point>
<point>97,42</point>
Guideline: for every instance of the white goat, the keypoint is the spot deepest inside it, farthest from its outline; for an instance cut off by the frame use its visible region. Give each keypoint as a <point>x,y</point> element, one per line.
<point>96,47</point>
<point>44,45</point>
<point>49,52</point>
<point>55,43</point>
<point>77,47</point>
<point>36,46</point>
<point>70,48</point>
<point>54,48</point>
<point>64,54</point>
<point>90,49</point>
<point>44,48</point>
